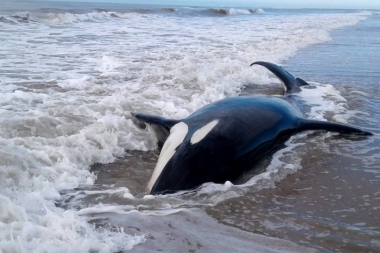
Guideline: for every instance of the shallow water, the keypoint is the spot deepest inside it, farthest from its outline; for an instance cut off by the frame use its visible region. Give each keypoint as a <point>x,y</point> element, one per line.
<point>333,203</point>
<point>74,166</point>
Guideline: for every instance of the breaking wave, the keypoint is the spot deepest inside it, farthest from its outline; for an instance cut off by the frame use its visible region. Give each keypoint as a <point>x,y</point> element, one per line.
<point>234,11</point>
<point>54,17</point>
<point>59,18</point>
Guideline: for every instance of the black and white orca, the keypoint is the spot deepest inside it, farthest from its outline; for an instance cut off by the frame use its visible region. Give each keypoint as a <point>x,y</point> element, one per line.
<point>223,139</point>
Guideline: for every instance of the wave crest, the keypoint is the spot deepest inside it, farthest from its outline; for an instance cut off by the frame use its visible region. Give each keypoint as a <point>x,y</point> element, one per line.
<point>61,18</point>
<point>234,11</point>
<point>54,17</point>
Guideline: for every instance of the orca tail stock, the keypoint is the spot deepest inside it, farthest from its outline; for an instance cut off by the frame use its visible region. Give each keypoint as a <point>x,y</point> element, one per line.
<point>292,84</point>
<point>306,124</point>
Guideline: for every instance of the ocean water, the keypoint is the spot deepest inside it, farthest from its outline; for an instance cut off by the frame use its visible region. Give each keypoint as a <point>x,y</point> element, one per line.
<point>74,165</point>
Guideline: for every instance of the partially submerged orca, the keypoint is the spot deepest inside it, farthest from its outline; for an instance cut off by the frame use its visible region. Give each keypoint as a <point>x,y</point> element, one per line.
<point>223,139</point>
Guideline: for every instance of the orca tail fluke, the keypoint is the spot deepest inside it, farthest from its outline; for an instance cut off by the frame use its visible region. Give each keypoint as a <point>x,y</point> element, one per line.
<point>291,83</point>
<point>305,124</point>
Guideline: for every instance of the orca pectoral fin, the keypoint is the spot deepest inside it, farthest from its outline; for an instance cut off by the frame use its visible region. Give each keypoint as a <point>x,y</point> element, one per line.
<point>155,120</point>
<point>291,84</point>
<point>305,124</point>
<point>160,125</point>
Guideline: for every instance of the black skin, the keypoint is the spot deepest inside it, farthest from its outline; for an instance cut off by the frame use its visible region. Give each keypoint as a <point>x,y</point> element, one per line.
<point>248,129</point>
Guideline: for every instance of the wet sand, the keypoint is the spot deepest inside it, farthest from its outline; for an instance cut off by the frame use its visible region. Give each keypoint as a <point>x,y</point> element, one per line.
<point>320,206</point>
<point>329,204</point>
<point>182,229</point>
<point>194,231</point>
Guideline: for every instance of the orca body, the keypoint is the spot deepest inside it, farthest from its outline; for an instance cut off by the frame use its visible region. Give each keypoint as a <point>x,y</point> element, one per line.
<point>223,139</point>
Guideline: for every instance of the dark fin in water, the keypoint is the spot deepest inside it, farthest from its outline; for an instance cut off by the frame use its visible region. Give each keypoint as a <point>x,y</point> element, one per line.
<point>305,124</point>
<point>291,84</point>
<point>160,125</point>
<point>155,120</point>
<point>301,82</point>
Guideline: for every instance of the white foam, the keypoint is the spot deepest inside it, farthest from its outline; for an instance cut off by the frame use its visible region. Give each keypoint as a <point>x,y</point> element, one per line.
<point>62,231</point>
<point>100,208</point>
<point>325,98</point>
<point>234,11</point>
<point>123,191</point>
<point>67,17</point>
<point>70,81</point>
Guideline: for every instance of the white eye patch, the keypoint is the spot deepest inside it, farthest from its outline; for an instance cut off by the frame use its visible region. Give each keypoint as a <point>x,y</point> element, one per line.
<point>202,132</point>
<point>177,134</point>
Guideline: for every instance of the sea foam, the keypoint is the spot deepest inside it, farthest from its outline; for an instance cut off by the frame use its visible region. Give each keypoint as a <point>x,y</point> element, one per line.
<point>69,82</point>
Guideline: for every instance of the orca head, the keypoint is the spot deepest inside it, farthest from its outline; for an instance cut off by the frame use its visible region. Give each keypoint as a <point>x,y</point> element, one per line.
<point>182,158</point>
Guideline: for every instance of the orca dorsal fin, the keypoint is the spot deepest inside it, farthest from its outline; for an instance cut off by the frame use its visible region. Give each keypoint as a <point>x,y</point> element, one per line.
<point>160,125</point>
<point>306,124</point>
<point>291,83</point>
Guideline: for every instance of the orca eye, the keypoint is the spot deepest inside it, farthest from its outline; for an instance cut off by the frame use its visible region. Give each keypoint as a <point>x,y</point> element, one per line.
<point>202,132</point>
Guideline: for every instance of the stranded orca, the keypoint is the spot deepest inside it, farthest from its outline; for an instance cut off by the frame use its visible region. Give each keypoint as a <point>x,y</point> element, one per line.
<point>221,140</point>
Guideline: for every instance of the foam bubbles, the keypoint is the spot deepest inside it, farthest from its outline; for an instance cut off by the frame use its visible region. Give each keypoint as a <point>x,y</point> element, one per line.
<point>71,80</point>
